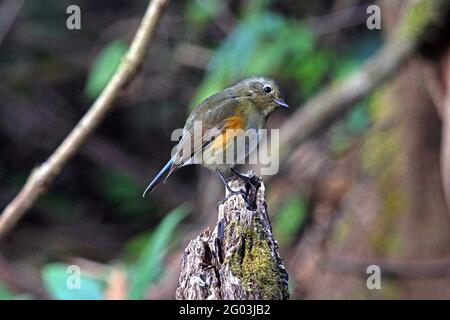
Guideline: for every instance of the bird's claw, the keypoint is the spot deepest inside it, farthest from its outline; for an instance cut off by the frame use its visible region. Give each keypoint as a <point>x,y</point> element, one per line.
<point>252,185</point>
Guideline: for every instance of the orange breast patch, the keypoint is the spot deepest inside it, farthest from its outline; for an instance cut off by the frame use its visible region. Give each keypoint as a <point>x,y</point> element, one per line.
<point>235,122</point>
<point>232,124</point>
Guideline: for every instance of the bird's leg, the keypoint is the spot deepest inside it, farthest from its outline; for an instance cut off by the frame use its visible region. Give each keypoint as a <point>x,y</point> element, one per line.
<point>230,191</point>
<point>252,185</point>
<point>225,183</point>
<point>246,179</point>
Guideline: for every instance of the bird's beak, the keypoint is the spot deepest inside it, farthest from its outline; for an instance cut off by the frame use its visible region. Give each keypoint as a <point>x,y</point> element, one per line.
<point>281,103</point>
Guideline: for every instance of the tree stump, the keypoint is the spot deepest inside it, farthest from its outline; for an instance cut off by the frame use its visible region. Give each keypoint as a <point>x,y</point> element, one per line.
<point>239,259</point>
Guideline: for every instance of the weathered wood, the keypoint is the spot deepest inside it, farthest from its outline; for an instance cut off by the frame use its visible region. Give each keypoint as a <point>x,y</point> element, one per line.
<point>239,258</point>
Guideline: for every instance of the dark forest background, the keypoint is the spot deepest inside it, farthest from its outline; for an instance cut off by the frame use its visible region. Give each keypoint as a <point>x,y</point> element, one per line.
<point>366,190</point>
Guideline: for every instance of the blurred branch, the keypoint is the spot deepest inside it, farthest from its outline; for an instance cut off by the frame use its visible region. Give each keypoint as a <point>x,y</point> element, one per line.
<point>42,177</point>
<point>445,116</point>
<point>398,269</point>
<point>51,122</point>
<point>338,19</point>
<point>8,13</point>
<point>336,100</point>
<point>434,88</point>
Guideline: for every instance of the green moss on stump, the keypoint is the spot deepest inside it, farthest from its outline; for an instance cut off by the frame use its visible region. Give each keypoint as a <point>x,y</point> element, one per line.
<point>253,263</point>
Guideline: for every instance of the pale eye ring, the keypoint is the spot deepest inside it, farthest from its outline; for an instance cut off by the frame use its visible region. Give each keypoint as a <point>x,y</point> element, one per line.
<point>267,88</point>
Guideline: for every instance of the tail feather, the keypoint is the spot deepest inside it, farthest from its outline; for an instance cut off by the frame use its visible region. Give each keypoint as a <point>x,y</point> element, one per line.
<point>158,178</point>
<point>171,171</point>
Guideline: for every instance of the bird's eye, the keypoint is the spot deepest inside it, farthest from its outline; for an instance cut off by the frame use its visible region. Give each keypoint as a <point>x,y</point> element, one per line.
<point>267,89</point>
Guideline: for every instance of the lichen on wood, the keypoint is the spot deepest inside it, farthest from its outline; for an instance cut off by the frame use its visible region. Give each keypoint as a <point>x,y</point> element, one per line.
<point>238,258</point>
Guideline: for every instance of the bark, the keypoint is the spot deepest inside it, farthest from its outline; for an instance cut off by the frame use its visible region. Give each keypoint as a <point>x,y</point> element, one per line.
<point>239,258</point>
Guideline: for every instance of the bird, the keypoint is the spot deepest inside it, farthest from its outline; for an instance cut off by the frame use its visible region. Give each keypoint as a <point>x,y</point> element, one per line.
<point>214,128</point>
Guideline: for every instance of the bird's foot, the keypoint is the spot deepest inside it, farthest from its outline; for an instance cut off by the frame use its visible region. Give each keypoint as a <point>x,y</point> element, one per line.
<point>252,184</point>
<point>252,180</point>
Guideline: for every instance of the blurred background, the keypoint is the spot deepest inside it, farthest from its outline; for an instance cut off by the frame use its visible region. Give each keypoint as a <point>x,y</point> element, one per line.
<point>364,190</point>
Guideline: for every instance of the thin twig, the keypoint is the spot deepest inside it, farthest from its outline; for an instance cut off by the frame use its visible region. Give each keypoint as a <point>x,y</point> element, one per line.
<point>445,116</point>
<point>42,177</point>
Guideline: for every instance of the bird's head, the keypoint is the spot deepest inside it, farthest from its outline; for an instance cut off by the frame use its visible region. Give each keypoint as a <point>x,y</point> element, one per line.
<point>264,92</point>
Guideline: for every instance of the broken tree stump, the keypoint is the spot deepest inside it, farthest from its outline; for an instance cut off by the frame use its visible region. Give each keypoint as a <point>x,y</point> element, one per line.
<point>239,258</point>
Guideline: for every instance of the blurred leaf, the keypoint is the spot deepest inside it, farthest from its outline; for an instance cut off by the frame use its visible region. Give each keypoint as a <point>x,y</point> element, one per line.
<point>55,277</point>
<point>59,205</point>
<point>345,68</point>
<point>5,294</point>
<point>262,44</point>
<point>123,192</point>
<point>135,246</point>
<point>255,6</point>
<point>360,51</point>
<point>311,71</point>
<point>199,12</point>
<point>104,67</point>
<point>290,218</point>
<point>150,262</point>
<point>344,133</point>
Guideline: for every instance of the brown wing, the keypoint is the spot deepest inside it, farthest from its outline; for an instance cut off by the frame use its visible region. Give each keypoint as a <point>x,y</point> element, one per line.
<point>213,122</point>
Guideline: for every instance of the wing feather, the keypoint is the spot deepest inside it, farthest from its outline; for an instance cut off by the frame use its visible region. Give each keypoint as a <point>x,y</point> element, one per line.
<point>214,121</point>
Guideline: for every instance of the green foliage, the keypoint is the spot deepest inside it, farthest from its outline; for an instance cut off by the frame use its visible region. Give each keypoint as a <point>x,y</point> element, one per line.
<point>418,16</point>
<point>290,218</point>
<point>346,63</point>
<point>310,71</point>
<point>123,191</point>
<point>345,68</point>
<point>358,120</point>
<point>266,43</point>
<point>262,44</point>
<point>56,277</point>
<point>255,6</point>
<point>142,273</point>
<point>5,294</point>
<point>149,265</point>
<point>353,125</point>
<point>200,12</point>
<point>60,205</point>
<point>104,67</point>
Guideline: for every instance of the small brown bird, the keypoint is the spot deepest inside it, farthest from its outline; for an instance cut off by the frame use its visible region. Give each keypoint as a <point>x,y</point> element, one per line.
<point>214,128</point>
